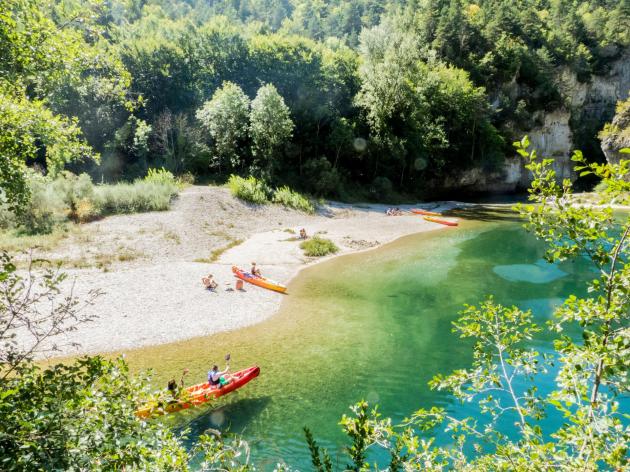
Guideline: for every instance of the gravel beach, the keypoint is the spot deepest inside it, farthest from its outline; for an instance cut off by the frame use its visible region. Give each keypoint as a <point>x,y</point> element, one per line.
<point>155,296</point>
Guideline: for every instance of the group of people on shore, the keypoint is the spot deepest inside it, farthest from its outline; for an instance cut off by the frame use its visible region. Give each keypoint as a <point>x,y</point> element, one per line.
<point>210,284</point>
<point>394,212</point>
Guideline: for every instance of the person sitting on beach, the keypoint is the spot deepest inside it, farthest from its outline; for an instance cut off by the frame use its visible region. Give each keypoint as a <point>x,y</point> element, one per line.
<point>209,282</point>
<point>390,212</point>
<point>214,376</point>
<point>303,234</point>
<point>255,271</point>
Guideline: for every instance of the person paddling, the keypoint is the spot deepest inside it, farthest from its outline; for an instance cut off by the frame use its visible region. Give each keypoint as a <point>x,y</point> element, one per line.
<point>214,375</point>
<point>255,271</point>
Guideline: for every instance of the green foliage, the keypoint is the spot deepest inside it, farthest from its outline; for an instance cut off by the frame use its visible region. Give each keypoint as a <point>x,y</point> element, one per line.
<point>249,189</point>
<point>78,415</point>
<point>139,196</point>
<point>292,199</point>
<point>81,414</point>
<point>270,128</point>
<point>226,117</point>
<point>160,176</point>
<point>29,129</point>
<point>318,247</point>
<point>75,198</point>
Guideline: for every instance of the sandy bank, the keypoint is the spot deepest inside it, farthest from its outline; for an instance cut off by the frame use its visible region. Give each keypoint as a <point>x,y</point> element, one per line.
<point>159,299</point>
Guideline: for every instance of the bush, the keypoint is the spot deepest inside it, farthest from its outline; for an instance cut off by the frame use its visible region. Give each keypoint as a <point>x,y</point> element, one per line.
<point>289,198</point>
<point>250,189</point>
<point>160,176</point>
<point>44,210</point>
<point>139,196</point>
<point>318,247</point>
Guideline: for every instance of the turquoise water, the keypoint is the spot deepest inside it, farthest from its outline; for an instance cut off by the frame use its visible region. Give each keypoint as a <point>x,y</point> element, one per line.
<point>374,326</point>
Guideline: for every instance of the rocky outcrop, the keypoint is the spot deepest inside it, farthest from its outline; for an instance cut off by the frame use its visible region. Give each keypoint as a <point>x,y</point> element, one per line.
<point>616,135</point>
<point>587,104</point>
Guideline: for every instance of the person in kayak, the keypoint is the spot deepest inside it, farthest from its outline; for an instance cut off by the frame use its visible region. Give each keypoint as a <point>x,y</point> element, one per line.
<point>255,271</point>
<point>173,388</point>
<point>214,376</point>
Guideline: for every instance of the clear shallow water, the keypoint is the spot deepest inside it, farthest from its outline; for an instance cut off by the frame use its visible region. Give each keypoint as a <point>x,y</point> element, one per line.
<point>374,326</point>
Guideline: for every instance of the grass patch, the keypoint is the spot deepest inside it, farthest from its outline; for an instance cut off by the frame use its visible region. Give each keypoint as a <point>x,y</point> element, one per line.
<point>74,198</point>
<point>292,199</point>
<point>249,189</point>
<point>318,247</point>
<point>172,236</point>
<point>216,253</point>
<point>15,241</point>
<point>253,190</point>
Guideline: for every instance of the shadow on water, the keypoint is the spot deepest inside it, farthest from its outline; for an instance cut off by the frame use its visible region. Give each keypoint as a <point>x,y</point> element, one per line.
<point>488,213</point>
<point>233,416</point>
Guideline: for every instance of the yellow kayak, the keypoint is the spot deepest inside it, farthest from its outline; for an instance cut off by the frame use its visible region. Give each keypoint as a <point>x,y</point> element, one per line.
<point>260,281</point>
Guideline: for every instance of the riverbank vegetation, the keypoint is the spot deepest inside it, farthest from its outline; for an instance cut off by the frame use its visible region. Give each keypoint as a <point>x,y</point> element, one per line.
<point>318,247</point>
<point>346,99</point>
<point>53,202</point>
<point>253,190</point>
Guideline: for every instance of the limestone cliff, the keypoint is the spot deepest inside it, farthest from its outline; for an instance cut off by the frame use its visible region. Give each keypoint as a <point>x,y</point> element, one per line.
<point>616,135</point>
<point>587,106</point>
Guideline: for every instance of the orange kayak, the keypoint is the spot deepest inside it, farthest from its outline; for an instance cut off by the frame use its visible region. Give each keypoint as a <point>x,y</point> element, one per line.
<point>418,211</point>
<point>199,394</point>
<point>442,222</point>
<point>260,281</point>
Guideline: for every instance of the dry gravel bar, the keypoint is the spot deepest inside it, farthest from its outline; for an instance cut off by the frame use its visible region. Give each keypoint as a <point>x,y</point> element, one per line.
<point>155,296</point>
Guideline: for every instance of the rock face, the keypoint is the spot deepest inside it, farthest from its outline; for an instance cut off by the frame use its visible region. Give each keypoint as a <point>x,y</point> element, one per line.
<point>593,102</point>
<point>616,135</point>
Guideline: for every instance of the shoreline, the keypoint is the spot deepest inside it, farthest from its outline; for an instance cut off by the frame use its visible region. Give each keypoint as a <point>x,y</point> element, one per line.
<point>163,302</point>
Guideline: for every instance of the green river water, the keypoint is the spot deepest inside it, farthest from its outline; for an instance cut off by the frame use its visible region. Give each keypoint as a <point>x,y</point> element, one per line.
<point>374,326</point>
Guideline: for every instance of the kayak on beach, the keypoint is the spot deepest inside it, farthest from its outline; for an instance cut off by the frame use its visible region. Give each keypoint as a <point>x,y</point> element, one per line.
<point>199,394</point>
<point>257,280</point>
<point>418,211</point>
<point>442,222</point>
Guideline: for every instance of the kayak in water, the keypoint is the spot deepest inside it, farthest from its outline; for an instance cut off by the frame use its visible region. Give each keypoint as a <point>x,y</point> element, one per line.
<point>442,222</point>
<point>258,280</point>
<point>418,211</point>
<point>199,394</point>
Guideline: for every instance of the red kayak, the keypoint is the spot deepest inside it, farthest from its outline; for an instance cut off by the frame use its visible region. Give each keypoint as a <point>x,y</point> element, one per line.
<point>199,394</point>
<point>418,211</point>
<point>442,222</point>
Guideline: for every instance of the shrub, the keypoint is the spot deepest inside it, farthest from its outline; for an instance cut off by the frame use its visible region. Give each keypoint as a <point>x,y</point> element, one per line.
<point>74,191</point>
<point>44,209</point>
<point>86,211</point>
<point>160,176</point>
<point>289,198</point>
<point>250,189</point>
<point>318,247</point>
<point>139,196</point>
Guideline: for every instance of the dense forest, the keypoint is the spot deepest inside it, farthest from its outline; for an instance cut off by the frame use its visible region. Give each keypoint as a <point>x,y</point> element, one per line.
<point>352,98</point>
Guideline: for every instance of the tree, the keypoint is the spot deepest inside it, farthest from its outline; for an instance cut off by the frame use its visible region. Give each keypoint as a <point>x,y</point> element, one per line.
<point>270,127</point>
<point>29,130</point>
<point>592,366</point>
<point>226,117</point>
